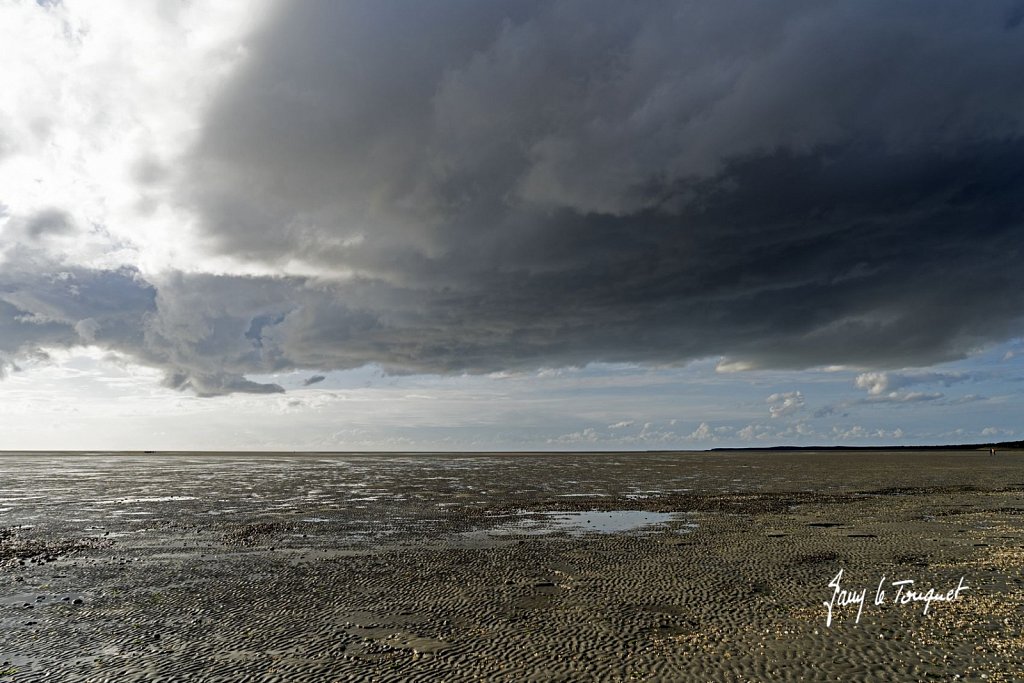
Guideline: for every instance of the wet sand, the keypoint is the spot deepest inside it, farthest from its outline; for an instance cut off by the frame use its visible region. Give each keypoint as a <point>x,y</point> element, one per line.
<point>562,567</point>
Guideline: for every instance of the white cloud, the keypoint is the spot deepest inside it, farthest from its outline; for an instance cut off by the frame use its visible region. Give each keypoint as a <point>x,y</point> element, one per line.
<point>880,383</point>
<point>703,433</point>
<point>793,432</point>
<point>782,404</point>
<point>754,431</point>
<point>588,435</point>
<point>859,432</point>
<point>102,99</point>
<point>904,397</point>
<point>874,382</point>
<point>730,366</point>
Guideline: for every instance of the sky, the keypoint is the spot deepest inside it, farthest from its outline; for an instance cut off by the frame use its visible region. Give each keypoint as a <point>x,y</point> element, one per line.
<point>550,225</point>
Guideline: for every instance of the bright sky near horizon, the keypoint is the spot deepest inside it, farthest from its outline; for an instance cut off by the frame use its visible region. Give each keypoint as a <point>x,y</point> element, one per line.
<point>455,225</point>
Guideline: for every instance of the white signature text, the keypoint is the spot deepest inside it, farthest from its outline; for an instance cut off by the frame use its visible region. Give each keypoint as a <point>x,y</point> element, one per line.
<point>905,593</point>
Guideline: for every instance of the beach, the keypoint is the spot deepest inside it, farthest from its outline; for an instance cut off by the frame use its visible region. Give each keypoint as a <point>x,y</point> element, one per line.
<point>694,566</point>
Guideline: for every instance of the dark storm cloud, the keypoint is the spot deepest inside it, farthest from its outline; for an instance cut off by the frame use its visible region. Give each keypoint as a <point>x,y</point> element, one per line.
<point>45,304</point>
<point>48,222</point>
<point>787,184</point>
<point>64,306</point>
<point>25,235</point>
<point>492,185</point>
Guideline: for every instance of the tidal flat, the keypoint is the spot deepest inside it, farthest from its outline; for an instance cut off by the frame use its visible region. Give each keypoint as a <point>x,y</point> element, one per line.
<point>512,567</point>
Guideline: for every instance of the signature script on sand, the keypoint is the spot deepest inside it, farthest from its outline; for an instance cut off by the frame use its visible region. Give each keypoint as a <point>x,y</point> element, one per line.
<point>905,593</point>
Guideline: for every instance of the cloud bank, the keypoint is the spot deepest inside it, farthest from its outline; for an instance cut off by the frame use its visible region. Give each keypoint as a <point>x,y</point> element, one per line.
<point>469,187</point>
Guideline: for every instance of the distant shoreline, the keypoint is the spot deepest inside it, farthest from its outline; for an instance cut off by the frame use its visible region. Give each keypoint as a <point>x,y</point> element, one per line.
<point>1002,446</point>
<point>1006,445</point>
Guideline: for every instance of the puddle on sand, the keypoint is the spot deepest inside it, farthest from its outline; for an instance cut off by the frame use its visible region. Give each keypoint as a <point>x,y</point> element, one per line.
<point>589,522</point>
